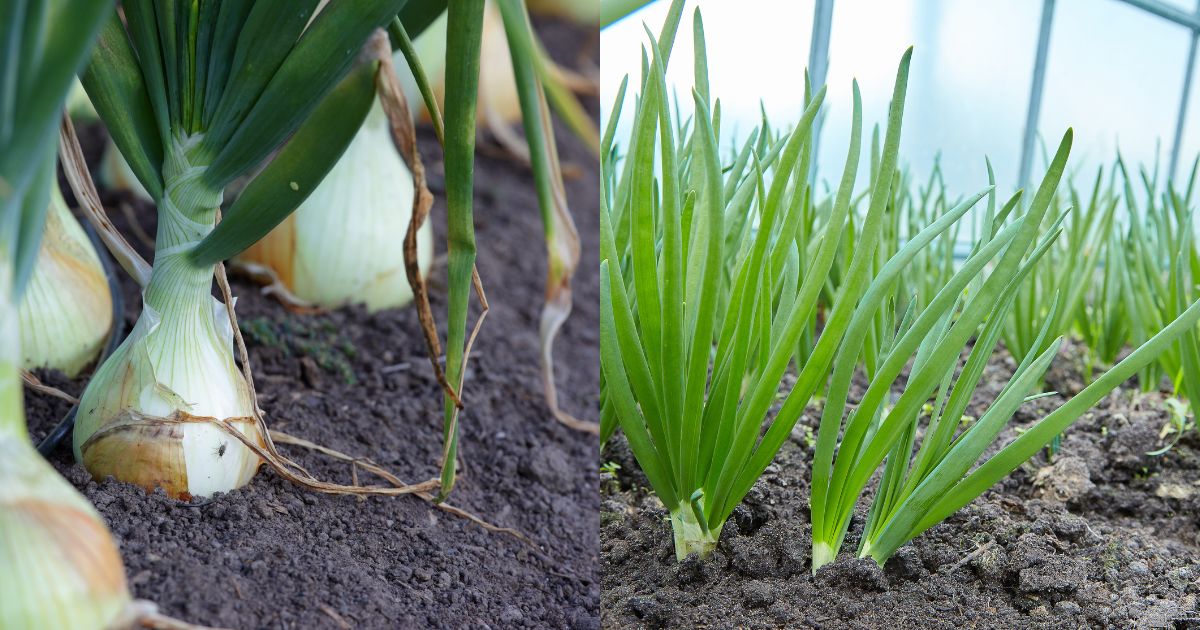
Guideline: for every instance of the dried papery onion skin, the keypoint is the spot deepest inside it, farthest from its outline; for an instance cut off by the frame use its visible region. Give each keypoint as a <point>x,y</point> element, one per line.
<point>66,310</point>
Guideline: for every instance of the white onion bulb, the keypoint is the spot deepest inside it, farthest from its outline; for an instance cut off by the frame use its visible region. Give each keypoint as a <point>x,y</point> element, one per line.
<point>344,244</point>
<point>66,311</point>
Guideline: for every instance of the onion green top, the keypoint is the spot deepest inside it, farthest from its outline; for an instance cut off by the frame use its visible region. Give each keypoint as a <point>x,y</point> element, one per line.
<point>712,278</point>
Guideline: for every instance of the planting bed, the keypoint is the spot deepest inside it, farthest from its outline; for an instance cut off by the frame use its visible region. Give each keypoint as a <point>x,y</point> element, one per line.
<point>273,555</point>
<point>1102,535</point>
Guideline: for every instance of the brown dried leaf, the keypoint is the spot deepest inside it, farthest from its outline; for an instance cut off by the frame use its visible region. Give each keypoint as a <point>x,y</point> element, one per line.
<point>80,180</point>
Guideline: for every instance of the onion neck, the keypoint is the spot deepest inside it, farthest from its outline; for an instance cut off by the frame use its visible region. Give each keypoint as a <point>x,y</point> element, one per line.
<point>186,214</point>
<point>186,334</point>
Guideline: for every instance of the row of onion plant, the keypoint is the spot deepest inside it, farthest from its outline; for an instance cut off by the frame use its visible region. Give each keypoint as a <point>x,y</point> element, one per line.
<point>696,340</point>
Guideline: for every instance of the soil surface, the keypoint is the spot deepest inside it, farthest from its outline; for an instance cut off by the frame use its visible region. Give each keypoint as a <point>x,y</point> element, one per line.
<point>273,555</point>
<point>1101,535</point>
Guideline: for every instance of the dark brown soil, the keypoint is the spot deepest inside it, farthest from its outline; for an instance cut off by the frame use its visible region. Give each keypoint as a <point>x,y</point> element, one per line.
<point>1101,536</point>
<point>272,555</point>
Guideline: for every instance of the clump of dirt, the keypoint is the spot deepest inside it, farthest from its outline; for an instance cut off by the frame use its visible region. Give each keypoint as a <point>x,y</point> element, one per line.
<point>272,555</point>
<point>1099,535</point>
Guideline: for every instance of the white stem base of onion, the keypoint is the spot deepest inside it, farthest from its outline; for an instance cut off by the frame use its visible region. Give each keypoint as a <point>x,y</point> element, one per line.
<point>823,554</point>
<point>690,537</point>
<point>866,553</point>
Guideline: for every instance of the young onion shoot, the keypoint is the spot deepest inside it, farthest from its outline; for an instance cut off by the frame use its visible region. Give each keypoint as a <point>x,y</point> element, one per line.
<point>693,413</point>
<point>920,488</point>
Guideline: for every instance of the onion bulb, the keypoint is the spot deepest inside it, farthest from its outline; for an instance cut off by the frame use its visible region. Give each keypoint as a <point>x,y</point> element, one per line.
<point>344,243</point>
<point>59,566</point>
<point>147,416</point>
<point>66,311</point>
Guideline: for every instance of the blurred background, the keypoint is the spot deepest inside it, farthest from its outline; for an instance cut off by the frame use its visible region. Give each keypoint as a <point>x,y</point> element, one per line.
<point>1115,70</point>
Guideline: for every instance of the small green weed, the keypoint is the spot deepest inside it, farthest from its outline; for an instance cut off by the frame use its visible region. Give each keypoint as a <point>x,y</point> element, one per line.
<point>299,338</point>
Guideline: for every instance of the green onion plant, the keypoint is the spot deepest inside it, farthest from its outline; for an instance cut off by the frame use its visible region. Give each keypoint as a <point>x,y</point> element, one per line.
<point>1100,319</point>
<point>926,480</point>
<point>196,95</point>
<point>932,340</point>
<point>711,278</point>
<point>1068,270</point>
<point>691,385</point>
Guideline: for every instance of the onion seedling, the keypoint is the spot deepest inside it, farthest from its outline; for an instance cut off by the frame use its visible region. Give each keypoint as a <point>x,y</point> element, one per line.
<point>872,433</point>
<point>1156,236</point>
<point>194,96</point>
<point>919,490</point>
<point>937,497</point>
<point>1101,322</point>
<point>693,412</point>
<point>1100,319</point>
<point>1068,268</point>
<point>1187,380</point>
<point>921,279</point>
<point>1156,260</point>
